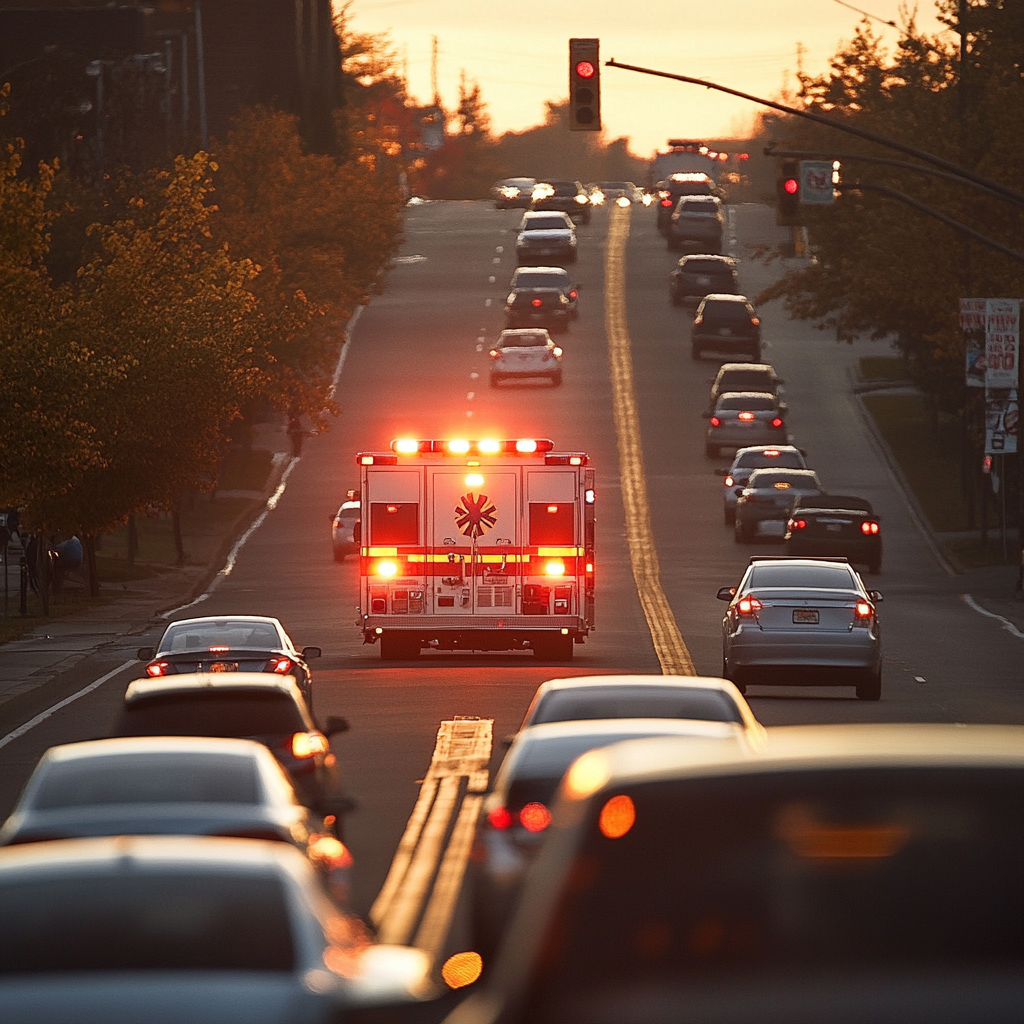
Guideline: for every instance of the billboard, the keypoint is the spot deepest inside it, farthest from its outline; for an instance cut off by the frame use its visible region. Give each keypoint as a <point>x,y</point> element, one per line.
<point>1002,343</point>
<point>972,327</point>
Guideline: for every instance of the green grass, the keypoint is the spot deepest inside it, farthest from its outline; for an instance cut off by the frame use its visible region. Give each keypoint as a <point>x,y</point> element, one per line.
<point>929,458</point>
<point>883,368</point>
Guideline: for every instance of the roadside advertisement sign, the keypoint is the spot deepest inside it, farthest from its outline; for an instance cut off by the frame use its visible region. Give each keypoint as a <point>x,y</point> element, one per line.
<point>972,327</point>
<point>1001,419</point>
<point>816,182</point>
<point>1002,343</point>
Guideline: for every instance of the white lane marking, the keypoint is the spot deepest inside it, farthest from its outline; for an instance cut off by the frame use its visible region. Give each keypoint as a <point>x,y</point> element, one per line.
<point>470,395</point>
<point>499,248</point>
<point>1007,624</point>
<point>44,715</point>
<point>482,338</point>
<point>497,259</point>
<point>479,348</point>
<point>474,376</point>
<point>417,258</point>
<point>491,279</point>
<point>343,355</point>
<point>920,679</point>
<point>487,302</point>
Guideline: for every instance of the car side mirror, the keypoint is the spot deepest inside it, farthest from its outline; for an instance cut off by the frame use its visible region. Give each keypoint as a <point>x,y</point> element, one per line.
<point>145,653</point>
<point>779,380</point>
<point>311,652</point>
<point>335,724</point>
<point>783,407</point>
<point>875,596</point>
<point>507,741</point>
<point>726,593</point>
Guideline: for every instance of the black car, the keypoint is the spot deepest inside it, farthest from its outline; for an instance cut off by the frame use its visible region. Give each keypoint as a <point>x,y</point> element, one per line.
<point>231,643</point>
<point>242,705</point>
<point>697,276</point>
<point>526,278</point>
<point>835,524</point>
<point>669,192</point>
<point>726,323</point>
<point>568,196</point>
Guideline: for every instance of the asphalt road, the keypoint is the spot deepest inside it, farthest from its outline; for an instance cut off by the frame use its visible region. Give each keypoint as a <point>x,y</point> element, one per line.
<point>417,366</point>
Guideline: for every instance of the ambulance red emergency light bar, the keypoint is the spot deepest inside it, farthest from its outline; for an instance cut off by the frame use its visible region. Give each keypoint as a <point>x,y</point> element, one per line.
<point>483,545</point>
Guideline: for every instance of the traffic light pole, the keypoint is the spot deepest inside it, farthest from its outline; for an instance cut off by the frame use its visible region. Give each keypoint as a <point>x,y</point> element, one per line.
<point>961,173</point>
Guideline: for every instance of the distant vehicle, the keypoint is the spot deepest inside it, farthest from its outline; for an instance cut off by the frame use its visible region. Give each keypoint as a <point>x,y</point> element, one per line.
<point>244,705</point>
<point>765,503</point>
<point>625,193</point>
<point>513,192</point>
<point>742,418</point>
<point>744,377</point>
<point>726,323</point>
<point>525,353</point>
<point>568,196</point>
<point>781,456</point>
<point>230,643</point>
<point>696,223</point>
<point>556,292</point>
<point>840,873</point>
<point>343,530</point>
<point>699,275</point>
<point>835,524</point>
<point>184,930</point>
<point>667,193</point>
<point>684,156</point>
<point>516,814</point>
<point>545,235</point>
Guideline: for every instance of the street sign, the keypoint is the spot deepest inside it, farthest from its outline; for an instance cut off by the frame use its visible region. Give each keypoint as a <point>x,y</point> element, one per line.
<point>1001,419</point>
<point>972,327</point>
<point>1002,343</point>
<point>816,182</point>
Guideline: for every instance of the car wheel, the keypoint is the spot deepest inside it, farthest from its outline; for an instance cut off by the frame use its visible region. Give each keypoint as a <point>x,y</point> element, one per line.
<point>870,688</point>
<point>729,515</point>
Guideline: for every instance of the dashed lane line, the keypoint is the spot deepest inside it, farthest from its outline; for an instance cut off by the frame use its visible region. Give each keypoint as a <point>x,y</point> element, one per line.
<point>668,641</point>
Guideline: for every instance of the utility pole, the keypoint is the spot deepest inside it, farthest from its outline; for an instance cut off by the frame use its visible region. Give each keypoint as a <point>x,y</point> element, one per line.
<point>433,72</point>
<point>204,133</point>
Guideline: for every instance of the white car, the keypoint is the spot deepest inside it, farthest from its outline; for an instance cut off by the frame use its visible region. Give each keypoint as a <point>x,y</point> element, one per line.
<point>525,353</point>
<point>343,527</point>
<point>543,235</point>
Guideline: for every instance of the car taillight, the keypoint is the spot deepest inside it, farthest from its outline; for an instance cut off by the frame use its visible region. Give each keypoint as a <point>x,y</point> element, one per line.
<point>862,613</point>
<point>715,421</point>
<point>281,666</point>
<point>746,416</point>
<point>868,527</point>
<point>495,353</point>
<point>748,606</point>
<point>328,852</point>
<point>754,320</point>
<point>698,319</point>
<point>158,668</point>
<point>798,524</point>
<point>777,422</point>
<point>500,818</point>
<point>308,744</point>
<point>573,294</point>
<point>728,481</point>
<point>666,203</point>
<point>538,302</point>
<point>535,817</point>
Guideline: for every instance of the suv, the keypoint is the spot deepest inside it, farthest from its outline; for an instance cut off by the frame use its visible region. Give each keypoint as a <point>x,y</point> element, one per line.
<point>744,377</point>
<point>668,193</point>
<point>696,276</point>
<point>697,221</point>
<point>568,196</point>
<point>726,323</point>
<point>546,234</point>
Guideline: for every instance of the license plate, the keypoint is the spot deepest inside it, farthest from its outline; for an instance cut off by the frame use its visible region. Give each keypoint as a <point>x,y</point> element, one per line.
<point>809,616</point>
<point>833,528</point>
<point>223,666</point>
<point>725,331</point>
<point>701,279</point>
<point>772,528</point>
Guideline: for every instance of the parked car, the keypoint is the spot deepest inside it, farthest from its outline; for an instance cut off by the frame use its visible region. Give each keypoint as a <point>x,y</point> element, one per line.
<point>243,705</point>
<point>184,930</point>
<point>698,222</point>
<point>513,192</point>
<point>743,418</point>
<point>841,873</point>
<point>765,503</point>
<point>230,643</point>
<point>522,354</point>
<point>543,236</point>
<point>726,323</point>
<point>835,524</point>
<point>343,530</point>
<point>802,621</point>
<point>566,196</point>
<point>700,275</point>
<point>736,477</point>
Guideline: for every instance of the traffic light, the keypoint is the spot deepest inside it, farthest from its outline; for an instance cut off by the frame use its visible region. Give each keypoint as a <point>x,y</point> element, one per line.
<point>584,85</point>
<point>787,193</point>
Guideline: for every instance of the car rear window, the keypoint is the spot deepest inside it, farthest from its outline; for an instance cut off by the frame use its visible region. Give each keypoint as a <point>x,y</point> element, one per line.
<point>784,460</point>
<point>746,380</point>
<point>235,635</point>
<point>823,577</point>
<point>545,224</point>
<point>816,874</point>
<point>241,713</point>
<point>522,341</point>
<point>698,204</point>
<point>142,779</point>
<point>766,478</point>
<point>756,403</point>
<point>706,267</point>
<point>142,921</point>
<point>536,280</point>
<point>635,702</point>
<point>728,311</point>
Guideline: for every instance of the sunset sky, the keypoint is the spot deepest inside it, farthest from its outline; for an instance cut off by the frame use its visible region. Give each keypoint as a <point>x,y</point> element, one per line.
<point>518,52</point>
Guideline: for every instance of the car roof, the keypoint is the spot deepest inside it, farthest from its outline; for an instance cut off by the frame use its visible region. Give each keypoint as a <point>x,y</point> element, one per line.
<point>745,368</point>
<point>686,682</point>
<point>520,331</point>
<point>823,748</point>
<point>535,214</point>
<point>135,745</point>
<point>551,732</point>
<point>560,271</point>
<point>725,297</point>
<point>767,447</point>
<point>225,682</point>
<point>217,619</point>
<point>718,258</point>
<point>723,395</point>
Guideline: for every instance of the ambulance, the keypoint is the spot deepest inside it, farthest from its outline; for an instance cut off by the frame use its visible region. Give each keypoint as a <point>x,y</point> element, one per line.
<point>481,545</point>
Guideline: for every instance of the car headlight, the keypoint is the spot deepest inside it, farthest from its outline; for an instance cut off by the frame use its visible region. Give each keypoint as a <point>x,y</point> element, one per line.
<point>582,199</point>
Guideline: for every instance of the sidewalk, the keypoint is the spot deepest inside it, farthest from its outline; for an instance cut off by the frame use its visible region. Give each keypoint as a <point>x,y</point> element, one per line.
<point>62,654</point>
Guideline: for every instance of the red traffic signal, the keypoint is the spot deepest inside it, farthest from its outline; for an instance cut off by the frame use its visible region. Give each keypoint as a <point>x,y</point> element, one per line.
<point>788,207</point>
<point>791,185</point>
<point>585,69</point>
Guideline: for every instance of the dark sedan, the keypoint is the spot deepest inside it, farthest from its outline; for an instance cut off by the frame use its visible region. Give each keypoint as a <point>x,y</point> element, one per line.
<point>697,276</point>
<point>835,524</point>
<point>568,196</point>
<point>726,323</point>
<point>235,643</point>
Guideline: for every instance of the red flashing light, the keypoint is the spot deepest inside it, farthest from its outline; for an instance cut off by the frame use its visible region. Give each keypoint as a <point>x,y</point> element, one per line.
<point>777,422</point>
<point>500,818</point>
<point>585,69</point>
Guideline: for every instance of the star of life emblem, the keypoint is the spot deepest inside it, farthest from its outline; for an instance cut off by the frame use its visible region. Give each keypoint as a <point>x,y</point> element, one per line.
<point>475,515</point>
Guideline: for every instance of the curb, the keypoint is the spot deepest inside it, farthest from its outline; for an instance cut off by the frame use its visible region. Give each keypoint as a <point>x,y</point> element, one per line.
<point>919,519</point>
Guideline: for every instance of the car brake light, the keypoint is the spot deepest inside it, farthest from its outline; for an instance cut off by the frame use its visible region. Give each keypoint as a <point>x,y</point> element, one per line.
<point>158,668</point>
<point>500,818</point>
<point>308,744</point>
<point>573,294</point>
<point>715,421</point>
<point>771,453</point>
<point>864,612</point>
<point>869,527</point>
<point>798,524</point>
<point>728,481</point>
<point>220,649</point>
<point>538,302</point>
<point>746,416</point>
<point>535,817</point>
<point>327,852</point>
<point>777,422</point>
<point>748,606</point>
<point>666,202</point>
<point>282,666</point>
<point>755,320</point>
<point>495,353</point>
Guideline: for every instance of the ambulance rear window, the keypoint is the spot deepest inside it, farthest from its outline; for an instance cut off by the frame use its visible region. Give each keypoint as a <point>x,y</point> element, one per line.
<point>394,523</point>
<point>552,522</point>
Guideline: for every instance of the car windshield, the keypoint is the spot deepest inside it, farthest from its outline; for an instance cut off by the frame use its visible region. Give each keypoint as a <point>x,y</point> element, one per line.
<point>725,311</point>
<point>799,481</point>
<point>142,921</point>
<point>545,224</point>
<point>235,634</point>
<point>522,340</point>
<point>782,460</point>
<point>563,188</point>
<point>147,779</point>
<point>749,881</point>
<point>592,702</point>
<point>706,267</point>
<point>534,279</point>
<point>756,403</point>
<point>240,713</point>
<point>698,205</point>
<point>768,576</point>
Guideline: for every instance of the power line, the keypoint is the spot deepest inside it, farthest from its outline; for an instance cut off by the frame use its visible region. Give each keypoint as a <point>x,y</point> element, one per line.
<point>866,14</point>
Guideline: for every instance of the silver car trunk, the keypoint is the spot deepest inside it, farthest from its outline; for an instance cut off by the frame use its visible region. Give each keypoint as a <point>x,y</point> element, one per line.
<point>789,609</point>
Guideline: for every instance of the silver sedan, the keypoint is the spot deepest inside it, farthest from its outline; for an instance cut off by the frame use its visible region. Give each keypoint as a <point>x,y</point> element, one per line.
<point>743,418</point>
<point>803,621</point>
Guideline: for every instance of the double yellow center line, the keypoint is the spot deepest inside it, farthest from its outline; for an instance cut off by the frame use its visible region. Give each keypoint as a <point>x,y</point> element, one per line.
<point>668,641</point>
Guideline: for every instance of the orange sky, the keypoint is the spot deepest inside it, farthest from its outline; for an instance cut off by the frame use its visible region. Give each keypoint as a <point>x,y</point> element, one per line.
<point>518,52</point>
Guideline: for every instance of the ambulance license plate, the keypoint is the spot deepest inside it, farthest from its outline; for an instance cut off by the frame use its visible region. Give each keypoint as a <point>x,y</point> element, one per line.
<point>808,616</point>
